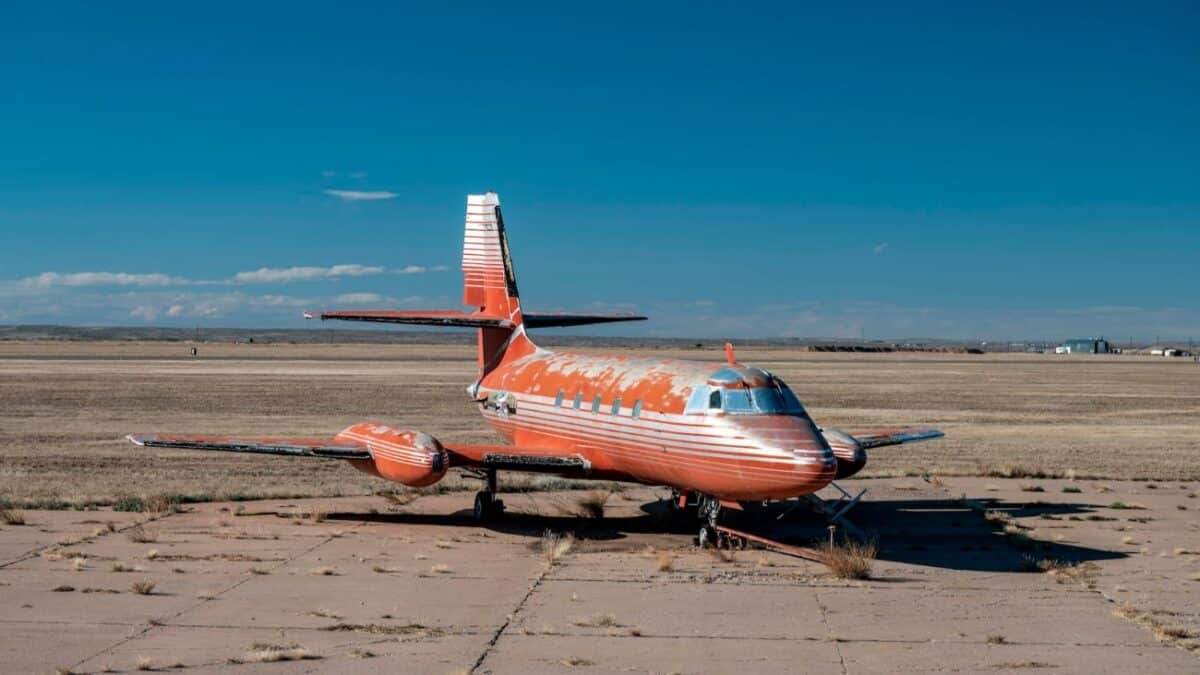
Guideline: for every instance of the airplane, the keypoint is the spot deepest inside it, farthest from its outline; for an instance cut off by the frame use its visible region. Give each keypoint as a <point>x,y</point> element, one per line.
<point>720,435</point>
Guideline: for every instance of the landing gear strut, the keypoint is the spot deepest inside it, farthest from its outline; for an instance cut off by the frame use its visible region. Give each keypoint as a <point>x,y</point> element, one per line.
<point>709,511</point>
<point>487,506</point>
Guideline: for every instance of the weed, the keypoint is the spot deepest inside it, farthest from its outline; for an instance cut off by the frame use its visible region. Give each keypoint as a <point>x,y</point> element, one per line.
<point>555,546</point>
<point>141,535</point>
<point>12,516</point>
<point>849,559</point>
<point>142,587</point>
<point>591,505</point>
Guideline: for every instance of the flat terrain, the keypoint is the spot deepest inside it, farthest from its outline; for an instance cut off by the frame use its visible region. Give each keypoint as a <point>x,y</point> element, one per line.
<point>1087,573</point>
<point>1071,584</point>
<point>65,407</point>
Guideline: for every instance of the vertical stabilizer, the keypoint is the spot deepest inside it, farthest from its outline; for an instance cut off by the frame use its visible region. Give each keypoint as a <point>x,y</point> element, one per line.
<point>489,282</point>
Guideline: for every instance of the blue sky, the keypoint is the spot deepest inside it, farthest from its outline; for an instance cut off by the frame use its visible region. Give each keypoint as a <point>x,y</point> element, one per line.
<point>729,169</point>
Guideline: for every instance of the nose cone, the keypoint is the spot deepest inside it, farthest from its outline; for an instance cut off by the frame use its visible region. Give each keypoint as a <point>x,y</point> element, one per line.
<point>812,465</point>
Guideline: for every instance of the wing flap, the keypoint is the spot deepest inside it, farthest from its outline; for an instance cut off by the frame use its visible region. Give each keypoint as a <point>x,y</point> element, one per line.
<point>293,447</point>
<point>518,458</point>
<point>884,436</point>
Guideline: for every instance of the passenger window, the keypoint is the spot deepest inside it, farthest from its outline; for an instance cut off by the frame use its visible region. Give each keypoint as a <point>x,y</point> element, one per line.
<point>616,407</point>
<point>714,400</point>
<point>558,399</point>
<point>637,408</point>
<point>596,404</point>
<point>578,400</point>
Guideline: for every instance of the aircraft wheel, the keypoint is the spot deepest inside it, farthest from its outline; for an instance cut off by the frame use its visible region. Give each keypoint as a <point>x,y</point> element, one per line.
<point>487,507</point>
<point>706,537</point>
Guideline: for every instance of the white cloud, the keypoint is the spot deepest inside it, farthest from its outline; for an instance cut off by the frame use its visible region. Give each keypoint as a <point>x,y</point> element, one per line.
<point>285,274</point>
<point>175,310</point>
<point>438,268</point>
<point>144,312</point>
<point>412,269</point>
<point>880,248</point>
<point>361,195</point>
<point>48,279</point>
<point>358,298</point>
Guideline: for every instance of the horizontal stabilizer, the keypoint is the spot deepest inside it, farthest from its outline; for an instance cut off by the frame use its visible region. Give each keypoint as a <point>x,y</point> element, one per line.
<point>421,317</point>
<point>533,320</point>
<point>877,438</point>
<point>294,447</point>
<point>448,317</point>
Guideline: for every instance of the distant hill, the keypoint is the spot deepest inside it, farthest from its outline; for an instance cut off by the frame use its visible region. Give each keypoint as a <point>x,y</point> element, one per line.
<point>377,336</point>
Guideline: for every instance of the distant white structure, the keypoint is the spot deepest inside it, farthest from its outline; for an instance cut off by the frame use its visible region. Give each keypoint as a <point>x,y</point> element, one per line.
<point>1084,346</point>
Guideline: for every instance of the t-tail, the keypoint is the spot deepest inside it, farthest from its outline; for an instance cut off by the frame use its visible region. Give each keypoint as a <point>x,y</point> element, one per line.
<point>490,288</point>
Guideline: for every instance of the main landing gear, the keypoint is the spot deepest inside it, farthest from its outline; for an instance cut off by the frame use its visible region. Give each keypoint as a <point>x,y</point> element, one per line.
<point>487,506</point>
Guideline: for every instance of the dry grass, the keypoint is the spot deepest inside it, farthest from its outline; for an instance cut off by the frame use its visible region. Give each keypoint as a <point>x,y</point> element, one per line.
<point>598,621</point>
<point>849,559</point>
<point>996,640</point>
<point>664,561</point>
<point>270,653</point>
<point>576,661</point>
<point>142,587</point>
<point>1022,397</point>
<point>325,571</point>
<point>141,535</point>
<point>144,663</point>
<point>554,546</point>
<point>591,505</point>
<point>440,568</point>
<point>12,516</point>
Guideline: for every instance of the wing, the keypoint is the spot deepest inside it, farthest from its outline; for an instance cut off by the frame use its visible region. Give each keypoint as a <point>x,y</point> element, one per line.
<point>518,458</point>
<point>879,437</point>
<point>326,448</point>
<point>507,457</point>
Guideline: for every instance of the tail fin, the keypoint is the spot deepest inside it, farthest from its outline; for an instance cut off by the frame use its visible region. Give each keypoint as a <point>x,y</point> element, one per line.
<point>490,285</point>
<point>488,279</point>
<point>489,282</point>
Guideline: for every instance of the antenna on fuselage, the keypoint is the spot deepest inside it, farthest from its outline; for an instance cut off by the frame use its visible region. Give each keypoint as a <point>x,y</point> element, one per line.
<point>729,354</point>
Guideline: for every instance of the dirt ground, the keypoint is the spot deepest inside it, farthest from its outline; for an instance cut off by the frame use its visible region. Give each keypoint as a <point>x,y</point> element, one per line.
<point>1085,571</point>
<point>65,407</point>
<point>1101,578</point>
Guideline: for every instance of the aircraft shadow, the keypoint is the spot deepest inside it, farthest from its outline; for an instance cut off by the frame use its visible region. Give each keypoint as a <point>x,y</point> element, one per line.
<point>943,533</point>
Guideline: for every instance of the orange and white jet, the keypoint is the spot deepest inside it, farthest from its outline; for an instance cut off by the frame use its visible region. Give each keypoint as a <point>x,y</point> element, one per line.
<point>717,433</point>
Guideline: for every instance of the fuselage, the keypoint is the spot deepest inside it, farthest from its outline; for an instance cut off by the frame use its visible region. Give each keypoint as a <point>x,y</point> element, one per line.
<point>721,429</point>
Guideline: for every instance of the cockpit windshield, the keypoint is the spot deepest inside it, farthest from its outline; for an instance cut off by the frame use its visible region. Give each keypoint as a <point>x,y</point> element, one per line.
<point>774,399</point>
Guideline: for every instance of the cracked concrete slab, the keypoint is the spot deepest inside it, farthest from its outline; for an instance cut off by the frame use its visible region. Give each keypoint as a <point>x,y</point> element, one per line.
<point>361,585</point>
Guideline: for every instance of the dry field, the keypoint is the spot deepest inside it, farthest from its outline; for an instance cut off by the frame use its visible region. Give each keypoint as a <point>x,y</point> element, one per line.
<point>64,408</point>
<point>1071,575</point>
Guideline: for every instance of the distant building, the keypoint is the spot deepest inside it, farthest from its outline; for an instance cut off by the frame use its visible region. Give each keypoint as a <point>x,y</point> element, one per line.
<point>1084,346</point>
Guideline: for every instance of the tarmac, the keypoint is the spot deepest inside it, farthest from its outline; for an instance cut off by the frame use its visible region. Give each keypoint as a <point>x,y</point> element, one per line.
<point>972,575</point>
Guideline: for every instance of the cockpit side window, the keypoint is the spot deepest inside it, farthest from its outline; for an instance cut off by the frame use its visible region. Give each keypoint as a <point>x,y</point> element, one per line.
<point>738,401</point>
<point>714,400</point>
